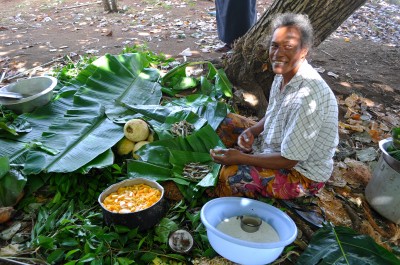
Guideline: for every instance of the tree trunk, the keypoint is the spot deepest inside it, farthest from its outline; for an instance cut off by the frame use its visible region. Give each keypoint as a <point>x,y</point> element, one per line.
<point>248,67</point>
<point>106,6</point>
<point>110,5</point>
<point>114,5</point>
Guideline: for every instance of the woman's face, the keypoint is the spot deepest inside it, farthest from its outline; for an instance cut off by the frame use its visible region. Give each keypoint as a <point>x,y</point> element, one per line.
<point>285,51</point>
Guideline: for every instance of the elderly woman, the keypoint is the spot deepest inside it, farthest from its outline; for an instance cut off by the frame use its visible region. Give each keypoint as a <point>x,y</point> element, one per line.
<point>288,153</point>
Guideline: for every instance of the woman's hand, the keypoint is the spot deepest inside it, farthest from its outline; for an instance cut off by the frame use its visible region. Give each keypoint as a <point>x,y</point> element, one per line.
<point>226,156</point>
<point>245,140</point>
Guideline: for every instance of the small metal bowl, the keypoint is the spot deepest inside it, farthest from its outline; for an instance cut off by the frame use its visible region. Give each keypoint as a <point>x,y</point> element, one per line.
<point>249,223</point>
<point>36,92</point>
<point>181,241</point>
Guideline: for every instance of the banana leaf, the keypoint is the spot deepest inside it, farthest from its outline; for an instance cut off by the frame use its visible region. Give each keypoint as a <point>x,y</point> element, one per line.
<point>180,158</point>
<point>204,106</point>
<point>158,163</point>
<point>82,132</point>
<point>12,183</point>
<point>144,169</point>
<point>343,246</point>
<point>176,80</point>
<point>15,147</point>
<point>164,131</point>
<point>207,108</point>
<point>80,138</point>
<point>121,113</point>
<point>101,161</point>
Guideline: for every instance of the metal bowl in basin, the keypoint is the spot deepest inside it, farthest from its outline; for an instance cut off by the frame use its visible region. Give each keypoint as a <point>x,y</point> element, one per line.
<point>35,91</point>
<point>143,219</point>
<point>242,251</point>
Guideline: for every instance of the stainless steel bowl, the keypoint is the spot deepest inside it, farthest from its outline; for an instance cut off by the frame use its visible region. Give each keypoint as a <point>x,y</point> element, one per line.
<point>249,223</point>
<point>36,92</point>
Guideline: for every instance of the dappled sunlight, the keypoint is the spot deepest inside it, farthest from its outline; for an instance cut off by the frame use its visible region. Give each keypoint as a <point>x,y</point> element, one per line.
<point>367,86</point>
<point>345,84</point>
<point>144,76</point>
<point>312,106</point>
<point>251,99</point>
<point>143,33</point>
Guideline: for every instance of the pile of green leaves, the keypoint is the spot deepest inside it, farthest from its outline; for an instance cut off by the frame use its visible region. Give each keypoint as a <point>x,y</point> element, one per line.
<point>69,228</point>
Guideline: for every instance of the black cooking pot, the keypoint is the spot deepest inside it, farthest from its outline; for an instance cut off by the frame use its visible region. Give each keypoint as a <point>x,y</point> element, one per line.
<point>143,219</point>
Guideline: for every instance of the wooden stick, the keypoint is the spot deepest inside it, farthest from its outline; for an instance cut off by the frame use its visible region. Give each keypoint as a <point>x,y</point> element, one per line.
<point>87,4</point>
<point>32,69</point>
<point>2,76</point>
<point>327,53</point>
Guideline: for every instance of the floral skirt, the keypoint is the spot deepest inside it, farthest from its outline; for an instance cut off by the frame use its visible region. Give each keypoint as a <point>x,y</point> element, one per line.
<point>252,182</point>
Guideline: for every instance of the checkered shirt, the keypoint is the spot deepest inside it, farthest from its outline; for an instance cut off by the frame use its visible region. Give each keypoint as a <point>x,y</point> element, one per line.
<point>302,123</point>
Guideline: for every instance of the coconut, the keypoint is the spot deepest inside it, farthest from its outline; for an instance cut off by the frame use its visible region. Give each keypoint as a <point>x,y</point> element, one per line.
<point>125,146</point>
<point>136,130</point>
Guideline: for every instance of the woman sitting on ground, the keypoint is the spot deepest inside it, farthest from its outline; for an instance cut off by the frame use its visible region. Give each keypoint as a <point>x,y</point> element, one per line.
<point>288,153</point>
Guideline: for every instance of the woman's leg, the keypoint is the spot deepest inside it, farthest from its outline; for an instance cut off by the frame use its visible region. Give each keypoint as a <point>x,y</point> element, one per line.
<point>253,182</point>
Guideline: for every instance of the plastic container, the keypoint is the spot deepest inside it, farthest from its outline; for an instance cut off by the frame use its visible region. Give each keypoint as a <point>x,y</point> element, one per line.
<point>241,251</point>
<point>383,190</point>
<point>36,91</point>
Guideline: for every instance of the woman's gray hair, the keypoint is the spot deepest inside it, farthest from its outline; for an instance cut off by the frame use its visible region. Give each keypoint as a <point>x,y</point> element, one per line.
<point>299,21</point>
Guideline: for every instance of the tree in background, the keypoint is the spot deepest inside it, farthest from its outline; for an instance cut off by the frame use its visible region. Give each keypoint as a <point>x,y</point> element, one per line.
<point>248,67</point>
<point>110,5</point>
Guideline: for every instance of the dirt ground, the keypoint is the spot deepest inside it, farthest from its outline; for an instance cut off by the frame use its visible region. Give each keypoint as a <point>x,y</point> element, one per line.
<point>34,33</point>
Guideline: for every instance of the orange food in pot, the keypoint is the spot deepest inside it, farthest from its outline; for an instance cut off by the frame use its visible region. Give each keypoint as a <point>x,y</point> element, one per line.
<point>131,199</point>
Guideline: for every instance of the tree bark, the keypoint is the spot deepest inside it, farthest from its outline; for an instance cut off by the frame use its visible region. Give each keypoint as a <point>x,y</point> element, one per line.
<point>110,5</point>
<point>106,6</point>
<point>114,7</point>
<point>248,67</point>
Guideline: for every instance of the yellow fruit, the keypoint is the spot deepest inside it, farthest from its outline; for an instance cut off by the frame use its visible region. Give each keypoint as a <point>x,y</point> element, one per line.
<point>150,139</point>
<point>139,144</point>
<point>124,146</point>
<point>136,130</point>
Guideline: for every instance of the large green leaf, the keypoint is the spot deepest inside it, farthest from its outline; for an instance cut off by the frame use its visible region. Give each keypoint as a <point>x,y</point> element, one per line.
<point>39,120</point>
<point>180,158</point>
<point>157,162</point>
<point>176,80</point>
<point>79,139</point>
<point>12,183</point>
<point>101,161</point>
<point>206,107</point>
<point>343,246</point>
<point>78,130</point>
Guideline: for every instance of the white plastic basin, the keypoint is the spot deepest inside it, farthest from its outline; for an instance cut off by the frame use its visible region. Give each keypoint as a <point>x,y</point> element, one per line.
<point>36,91</point>
<point>241,251</point>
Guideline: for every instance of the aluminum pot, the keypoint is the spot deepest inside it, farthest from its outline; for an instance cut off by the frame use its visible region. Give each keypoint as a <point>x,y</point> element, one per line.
<point>143,219</point>
<point>36,92</point>
<point>382,191</point>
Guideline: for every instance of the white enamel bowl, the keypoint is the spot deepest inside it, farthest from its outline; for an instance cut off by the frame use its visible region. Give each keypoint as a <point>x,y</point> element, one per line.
<point>36,91</point>
<point>241,251</point>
